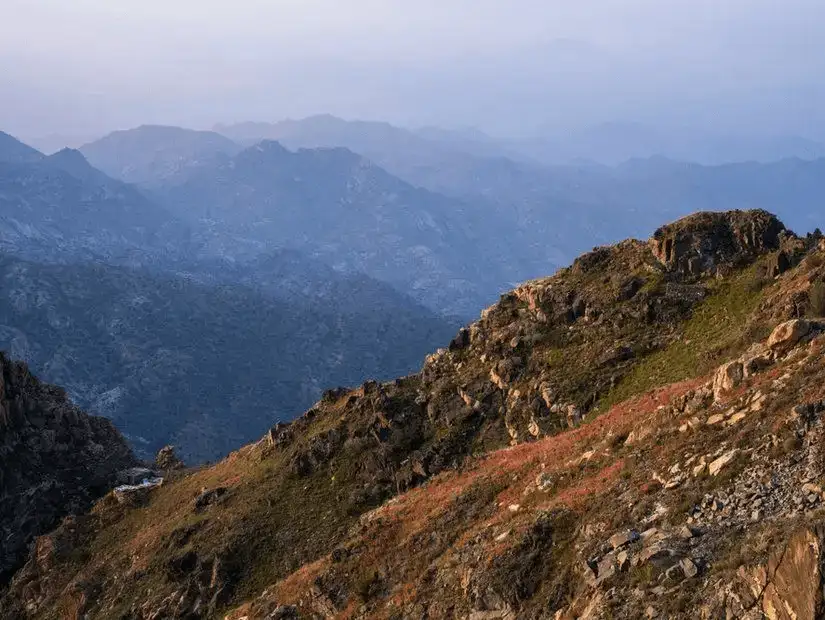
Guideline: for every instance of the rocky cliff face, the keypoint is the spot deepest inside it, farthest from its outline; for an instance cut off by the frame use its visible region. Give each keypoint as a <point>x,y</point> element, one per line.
<point>632,437</point>
<point>54,460</point>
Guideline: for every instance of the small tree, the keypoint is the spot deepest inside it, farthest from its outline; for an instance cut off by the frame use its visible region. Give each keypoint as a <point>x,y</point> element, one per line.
<point>816,299</point>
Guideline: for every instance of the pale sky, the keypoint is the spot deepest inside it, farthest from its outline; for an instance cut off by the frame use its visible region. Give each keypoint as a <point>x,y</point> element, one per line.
<point>81,67</point>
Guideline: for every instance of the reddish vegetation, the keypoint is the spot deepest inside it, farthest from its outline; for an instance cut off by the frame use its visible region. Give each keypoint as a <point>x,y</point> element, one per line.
<point>401,521</point>
<point>579,494</point>
<point>525,460</point>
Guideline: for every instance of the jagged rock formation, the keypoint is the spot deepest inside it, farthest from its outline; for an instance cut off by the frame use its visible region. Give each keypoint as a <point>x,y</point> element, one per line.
<point>54,460</point>
<point>704,242</point>
<point>625,439</point>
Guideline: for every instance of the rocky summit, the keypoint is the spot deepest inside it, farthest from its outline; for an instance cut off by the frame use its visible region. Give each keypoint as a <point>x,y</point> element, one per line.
<point>638,436</point>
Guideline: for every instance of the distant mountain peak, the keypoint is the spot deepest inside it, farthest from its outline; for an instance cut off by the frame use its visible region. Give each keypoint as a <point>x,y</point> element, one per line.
<point>69,155</point>
<point>13,150</point>
<point>147,153</point>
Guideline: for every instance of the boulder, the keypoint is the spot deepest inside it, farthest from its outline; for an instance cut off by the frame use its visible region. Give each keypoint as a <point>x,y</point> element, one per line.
<point>757,359</point>
<point>207,497</point>
<point>689,568</point>
<point>790,587</point>
<point>787,335</point>
<point>727,377</point>
<point>136,494</point>
<point>607,568</point>
<point>574,416</point>
<point>461,341</point>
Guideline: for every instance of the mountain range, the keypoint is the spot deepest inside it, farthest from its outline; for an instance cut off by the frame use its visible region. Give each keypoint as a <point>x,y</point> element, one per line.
<point>608,143</point>
<point>512,219</point>
<point>312,247</point>
<point>110,294</point>
<point>643,185</point>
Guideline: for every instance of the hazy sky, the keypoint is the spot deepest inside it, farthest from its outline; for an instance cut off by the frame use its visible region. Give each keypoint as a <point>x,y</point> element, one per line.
<point>82,67</point>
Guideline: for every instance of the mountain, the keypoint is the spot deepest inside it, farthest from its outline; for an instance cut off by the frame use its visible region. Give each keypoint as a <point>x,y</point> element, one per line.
<point>327,131</point>
<point>428,157</point>
<point>56,461</point>
<point>404,153</point>
<point>60,208</point>
<point>342,209</point>
<point>549,214</point>
<point>206,366</point>
<point>74,163</point>
<point>152,153</point>
<point>12,151</point>
<point>567,207</point>
<point>636,436</point>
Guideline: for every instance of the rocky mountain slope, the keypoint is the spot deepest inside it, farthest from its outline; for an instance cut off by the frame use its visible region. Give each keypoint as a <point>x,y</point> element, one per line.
<point>635,436</point>
<point>206,365</point>
<point>54,460</point>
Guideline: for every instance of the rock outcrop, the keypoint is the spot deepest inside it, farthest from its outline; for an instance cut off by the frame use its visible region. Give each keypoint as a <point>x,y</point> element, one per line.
<point>54,460</point>
<point>705,242</point>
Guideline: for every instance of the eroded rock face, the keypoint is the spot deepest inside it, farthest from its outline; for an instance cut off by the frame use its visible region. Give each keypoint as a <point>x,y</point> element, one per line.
<point>702,243</point>
<point>789,586</point>
<point>54,460</point>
